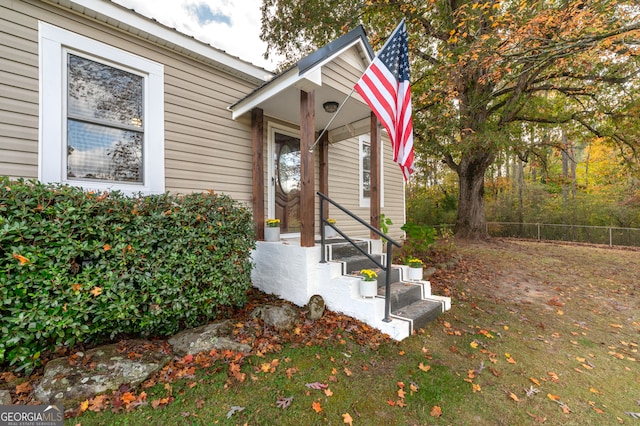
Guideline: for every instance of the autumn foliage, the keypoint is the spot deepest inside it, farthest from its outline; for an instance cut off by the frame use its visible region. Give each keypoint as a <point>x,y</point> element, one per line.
<point>85,267</point>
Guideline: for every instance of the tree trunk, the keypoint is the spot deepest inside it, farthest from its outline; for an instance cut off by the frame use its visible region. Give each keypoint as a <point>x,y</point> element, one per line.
<point>471,223</point>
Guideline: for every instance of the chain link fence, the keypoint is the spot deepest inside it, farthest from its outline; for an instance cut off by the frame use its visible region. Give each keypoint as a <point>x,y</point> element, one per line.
<point>608,235</point>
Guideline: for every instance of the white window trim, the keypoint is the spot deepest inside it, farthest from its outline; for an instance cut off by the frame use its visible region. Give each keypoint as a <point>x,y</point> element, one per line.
<point>366,201</point>
<point>52,126</point>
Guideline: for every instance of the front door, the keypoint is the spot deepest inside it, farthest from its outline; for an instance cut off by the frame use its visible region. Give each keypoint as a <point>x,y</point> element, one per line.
<point>287,182</point>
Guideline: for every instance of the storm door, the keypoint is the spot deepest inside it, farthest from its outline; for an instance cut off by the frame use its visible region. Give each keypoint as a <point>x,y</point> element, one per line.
<point>287,182</point>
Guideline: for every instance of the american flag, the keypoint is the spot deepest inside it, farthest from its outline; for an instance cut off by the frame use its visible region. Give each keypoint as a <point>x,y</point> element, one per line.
<point>385,87</point>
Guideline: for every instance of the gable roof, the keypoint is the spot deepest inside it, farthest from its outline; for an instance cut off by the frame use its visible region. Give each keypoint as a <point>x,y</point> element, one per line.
<point>132,22</point>
<point>306,75</point>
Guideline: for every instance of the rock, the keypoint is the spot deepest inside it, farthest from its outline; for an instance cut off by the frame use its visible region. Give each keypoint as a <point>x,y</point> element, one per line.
<point>315,307</point>
<point>282,318</point>
<point>5,397</point>
<point>429,271</point>
<point>71,380</point>
<point>216,335</point>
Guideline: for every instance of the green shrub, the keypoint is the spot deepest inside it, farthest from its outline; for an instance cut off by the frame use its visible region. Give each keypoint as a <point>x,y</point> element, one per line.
<point>77,266</point>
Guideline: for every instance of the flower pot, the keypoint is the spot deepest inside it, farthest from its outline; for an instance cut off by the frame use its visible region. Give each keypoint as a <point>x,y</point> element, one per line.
<point>368,288</point>
<point>272,234</point>
<point>329,232</point>
<point>415,274</point>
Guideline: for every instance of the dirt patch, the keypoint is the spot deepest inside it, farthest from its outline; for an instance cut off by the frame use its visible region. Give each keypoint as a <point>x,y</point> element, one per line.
<point>518,271</point>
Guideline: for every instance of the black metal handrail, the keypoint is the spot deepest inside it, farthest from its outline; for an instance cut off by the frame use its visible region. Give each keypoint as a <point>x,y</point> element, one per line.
<point>390,243</point>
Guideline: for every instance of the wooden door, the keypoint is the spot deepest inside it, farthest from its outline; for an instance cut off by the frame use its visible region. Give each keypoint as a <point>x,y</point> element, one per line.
<point>287,182</point>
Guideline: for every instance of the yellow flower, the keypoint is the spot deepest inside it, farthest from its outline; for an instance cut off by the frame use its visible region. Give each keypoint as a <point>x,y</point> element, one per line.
<point>368,275</point>
<point>273,223</point>
<point>414,263</point>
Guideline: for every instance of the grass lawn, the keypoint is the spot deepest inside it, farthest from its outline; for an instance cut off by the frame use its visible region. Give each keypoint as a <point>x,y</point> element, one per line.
<point>538,333</point>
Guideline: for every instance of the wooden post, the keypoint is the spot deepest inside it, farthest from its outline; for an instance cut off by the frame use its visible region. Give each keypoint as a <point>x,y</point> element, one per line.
<point>257,176</point>
<point>307,181</point>
<point>374,188</point>
<point>323,158</point>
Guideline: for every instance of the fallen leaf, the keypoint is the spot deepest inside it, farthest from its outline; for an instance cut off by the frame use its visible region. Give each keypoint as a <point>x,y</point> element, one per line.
<point>23,260</point>
<point>424,367</point>
<point>24,388</point>
<point>435,411</point>
<point>514,397</point>
<point>401,393</point>
<point>553,397</point>
<point>316,406</point>
<point>535,381</point>
<point>96,291</point>
<point>128,398</point>
<point>328,392</point>
<point>346,418</point>
<point>476,387</point>
<point>316,385</point>
<point>234,409</point>
<point>84,405</point>
<point>537,418</point>
<point>347,372</point>
<point>615,325</point>
<point>283,402</point>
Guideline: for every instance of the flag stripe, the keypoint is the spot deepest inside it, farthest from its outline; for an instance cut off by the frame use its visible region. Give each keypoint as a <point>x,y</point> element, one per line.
<point>385,87</point>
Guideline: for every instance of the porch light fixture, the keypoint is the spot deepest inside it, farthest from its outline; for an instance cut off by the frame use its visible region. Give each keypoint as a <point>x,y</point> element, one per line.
<point>330,106</point>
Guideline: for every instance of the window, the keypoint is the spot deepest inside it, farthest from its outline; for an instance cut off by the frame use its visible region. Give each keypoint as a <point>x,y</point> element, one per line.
<point>101,117</point>
<point>365,173</point>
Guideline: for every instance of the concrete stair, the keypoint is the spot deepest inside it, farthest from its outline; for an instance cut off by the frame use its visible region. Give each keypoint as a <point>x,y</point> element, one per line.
<point>411,301</point>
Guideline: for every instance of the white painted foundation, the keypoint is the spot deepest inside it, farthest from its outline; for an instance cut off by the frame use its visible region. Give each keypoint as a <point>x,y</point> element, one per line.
<point>295,274</point>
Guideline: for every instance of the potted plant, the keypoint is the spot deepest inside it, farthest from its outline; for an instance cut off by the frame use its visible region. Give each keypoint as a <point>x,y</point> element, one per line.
<point>415,269</point>
<point>368,283</point>
<point>272,230</point>
<point>329,232</point>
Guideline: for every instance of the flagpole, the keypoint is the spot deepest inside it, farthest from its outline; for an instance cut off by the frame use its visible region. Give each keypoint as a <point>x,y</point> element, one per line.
<point>353,89</point>
<point>335,114</point>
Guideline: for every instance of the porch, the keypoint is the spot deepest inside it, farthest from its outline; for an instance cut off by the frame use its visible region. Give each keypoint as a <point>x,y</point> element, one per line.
<point>295,273</point>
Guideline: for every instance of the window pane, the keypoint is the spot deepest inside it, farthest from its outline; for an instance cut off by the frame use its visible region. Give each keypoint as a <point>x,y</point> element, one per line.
<point>98,91</point>
<point>366,170</point>
<point>103,153</point>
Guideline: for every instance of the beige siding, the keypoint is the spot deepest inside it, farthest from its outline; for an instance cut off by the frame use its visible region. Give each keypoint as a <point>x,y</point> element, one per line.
<point>204,148</point>
<point>344,187</point>
<point>343,72</point>
<point>18,95</point>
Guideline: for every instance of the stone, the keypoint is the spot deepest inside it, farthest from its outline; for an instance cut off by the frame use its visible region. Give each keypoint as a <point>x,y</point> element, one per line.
<point>71,380</point>
<point>282,318</point>
<point>217,335</point>
<point>429,271</point>
<point>5,397</point>
<point>315,307</point>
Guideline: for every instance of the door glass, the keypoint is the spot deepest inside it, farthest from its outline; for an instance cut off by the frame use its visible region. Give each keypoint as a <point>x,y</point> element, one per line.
<point>287,182</point>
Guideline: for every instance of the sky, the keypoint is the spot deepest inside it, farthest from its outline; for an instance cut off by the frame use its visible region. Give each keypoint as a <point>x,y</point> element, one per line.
<point>229,25</point>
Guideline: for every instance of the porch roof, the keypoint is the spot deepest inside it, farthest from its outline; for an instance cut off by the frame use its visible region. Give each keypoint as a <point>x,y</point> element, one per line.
<point>280,97</point>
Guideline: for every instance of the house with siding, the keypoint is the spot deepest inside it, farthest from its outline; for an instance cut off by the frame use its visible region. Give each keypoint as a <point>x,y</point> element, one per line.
<point>94,95</point>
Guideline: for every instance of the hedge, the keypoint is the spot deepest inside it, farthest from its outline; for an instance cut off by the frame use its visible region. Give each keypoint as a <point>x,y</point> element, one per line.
<point>78,266</point>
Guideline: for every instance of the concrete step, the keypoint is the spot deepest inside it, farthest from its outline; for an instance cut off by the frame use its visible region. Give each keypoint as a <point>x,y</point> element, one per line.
<point>354,264</point>
<point>344,249</point>
<point>420,312</point>
<point>402,294</point>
